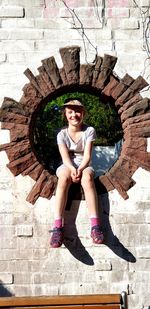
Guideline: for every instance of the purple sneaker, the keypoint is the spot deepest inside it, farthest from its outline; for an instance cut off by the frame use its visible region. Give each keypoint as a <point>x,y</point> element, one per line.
<point>97,234</point>
<point>57,237</point>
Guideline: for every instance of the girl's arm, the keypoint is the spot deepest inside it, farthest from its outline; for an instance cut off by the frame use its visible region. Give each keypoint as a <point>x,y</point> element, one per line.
<point>86,156</point>
<point>66,158</point>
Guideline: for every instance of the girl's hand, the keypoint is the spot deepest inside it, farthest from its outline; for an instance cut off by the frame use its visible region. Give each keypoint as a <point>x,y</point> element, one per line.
<point>73,171</point>
<point>79,173</point>
<point>78,176</point>
<point>74,175</point>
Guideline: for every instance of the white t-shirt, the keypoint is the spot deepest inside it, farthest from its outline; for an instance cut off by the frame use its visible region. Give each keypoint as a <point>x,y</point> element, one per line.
<point>76,150</point>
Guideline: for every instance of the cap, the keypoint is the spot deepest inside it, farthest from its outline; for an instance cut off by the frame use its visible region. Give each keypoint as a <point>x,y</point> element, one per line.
<point>73,102</point>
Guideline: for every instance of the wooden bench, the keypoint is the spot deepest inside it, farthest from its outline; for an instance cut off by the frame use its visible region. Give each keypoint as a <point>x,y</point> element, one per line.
<point>110,301</point>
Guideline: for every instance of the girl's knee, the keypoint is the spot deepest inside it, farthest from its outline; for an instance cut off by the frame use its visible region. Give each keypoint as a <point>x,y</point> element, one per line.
<point>64,181</point>
<point>87,180</point>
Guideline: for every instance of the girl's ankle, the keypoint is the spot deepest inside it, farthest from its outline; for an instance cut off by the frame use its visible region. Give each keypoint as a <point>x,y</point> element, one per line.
<point>58,223</point>
<point>95,221</point>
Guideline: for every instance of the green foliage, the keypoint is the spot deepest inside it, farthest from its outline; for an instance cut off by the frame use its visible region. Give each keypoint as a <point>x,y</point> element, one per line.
<point>102,116</point>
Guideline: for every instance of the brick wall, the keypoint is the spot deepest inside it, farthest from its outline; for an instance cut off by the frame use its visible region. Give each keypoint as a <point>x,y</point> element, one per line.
<point>28,34</point>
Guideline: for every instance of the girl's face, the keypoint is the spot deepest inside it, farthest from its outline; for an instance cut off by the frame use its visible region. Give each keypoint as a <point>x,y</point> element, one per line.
<point>74,115</point>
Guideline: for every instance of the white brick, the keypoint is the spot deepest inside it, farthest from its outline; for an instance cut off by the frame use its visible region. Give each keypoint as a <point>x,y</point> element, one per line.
<point>116,3</point>
<point>143,205</point>
<point>141,176</point>
<point>21,265</point>
<point>26,241</point>
<point>81,288</point>
<point>114,23</point>
<point>135,301</point>
<point>104,46</point>
<point>41,23</point>
<point>148,144</point>
<point>7,232</point>
<point>140,265</point>
<point>120,276</point>
<point>128,34</point>
<point>45,289</point>
<point>7,201</point>
<point>129,235</point>
<point>31,12</point>
<point>7,242</point>
<point>7,255</point>
<point>142,276</point>
<point>82,12</point>
<point>4,266</point>
<point>20,34</point>
<point>11,11</point>
<point>120,265</point>
<point>15,57</point>
<point>18,45</point>
<point>12,92</point>
<point>73,3</point>
<point>20,290</point>
<point>130,23</point>
<point>102,34</point>
<point>50,278</point>
<point>143,252</point>
<point>4,136</point>
<point>127,63</point>
<point>145,3</point>
<point>17,23</point>
<point>24,230</point>
<point>140,287</point>
<point>136,12</point>
<point>26,3</point>
<point>128,218</point>
<point>6,278</point>
<point>61,35</point>
<point>22,277</point>
<point>129,46</point>
<point>6,218</point>
<point>102,265</point>
<point>3,158</point>
<point>92,23</point>
<point>117,12</point>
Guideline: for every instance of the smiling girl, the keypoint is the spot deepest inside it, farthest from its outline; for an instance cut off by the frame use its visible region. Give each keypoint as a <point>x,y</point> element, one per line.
<point>75,144</point>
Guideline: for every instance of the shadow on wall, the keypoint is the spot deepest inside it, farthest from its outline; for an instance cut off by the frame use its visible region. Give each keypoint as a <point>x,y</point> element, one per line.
<point>71,240</point>
<point>104,157</point>
<point>111,240</point>
<point>74,244</point>
<point>4,292</point>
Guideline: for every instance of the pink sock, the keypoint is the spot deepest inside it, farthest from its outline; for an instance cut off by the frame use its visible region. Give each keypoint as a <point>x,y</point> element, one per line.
<point>95,221</point>
<point>58,223</point>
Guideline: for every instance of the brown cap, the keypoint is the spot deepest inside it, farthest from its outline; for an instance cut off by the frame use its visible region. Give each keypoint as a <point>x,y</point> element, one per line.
<point>73,102</point>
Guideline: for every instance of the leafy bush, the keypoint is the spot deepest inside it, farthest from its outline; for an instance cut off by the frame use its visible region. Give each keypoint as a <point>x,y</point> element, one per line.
<point>102,116</point>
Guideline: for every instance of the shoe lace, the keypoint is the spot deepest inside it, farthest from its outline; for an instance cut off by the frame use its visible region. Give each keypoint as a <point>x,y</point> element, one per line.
<point>57,234</point>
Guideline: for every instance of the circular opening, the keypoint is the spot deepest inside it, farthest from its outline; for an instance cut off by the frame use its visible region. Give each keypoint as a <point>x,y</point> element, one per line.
<point>49,120</point>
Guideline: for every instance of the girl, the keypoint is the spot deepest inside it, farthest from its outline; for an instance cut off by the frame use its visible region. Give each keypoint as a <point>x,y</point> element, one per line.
<point>75,146</point>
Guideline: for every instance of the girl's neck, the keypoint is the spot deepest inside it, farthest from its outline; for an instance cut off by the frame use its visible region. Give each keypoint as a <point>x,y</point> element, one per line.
<point>75,128</point>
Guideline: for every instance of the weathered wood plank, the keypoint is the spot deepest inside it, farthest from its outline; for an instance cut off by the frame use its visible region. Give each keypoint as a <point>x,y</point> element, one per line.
<point>71,61</point>
<point>104,299</point>
<point>52,70</point>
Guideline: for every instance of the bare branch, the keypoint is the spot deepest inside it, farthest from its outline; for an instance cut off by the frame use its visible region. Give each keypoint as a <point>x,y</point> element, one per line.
<point>81,31</point>
<point>145,16</point>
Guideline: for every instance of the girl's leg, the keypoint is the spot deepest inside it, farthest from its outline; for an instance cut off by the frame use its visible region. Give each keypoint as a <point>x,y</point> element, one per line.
<point>64,181</point>
<point>88,185</point>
